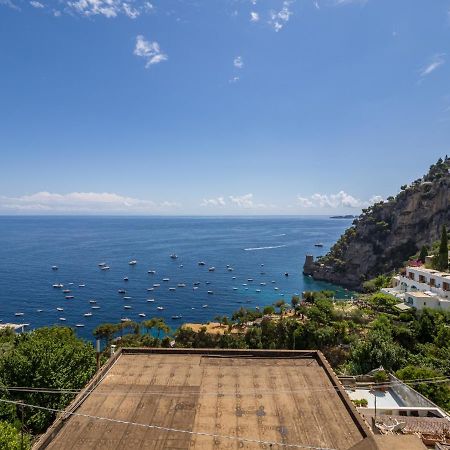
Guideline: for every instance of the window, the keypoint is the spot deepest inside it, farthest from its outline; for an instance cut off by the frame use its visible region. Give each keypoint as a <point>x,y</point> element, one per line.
<point>445,286</point>
<point>422,279</point>
<point>432,282</point>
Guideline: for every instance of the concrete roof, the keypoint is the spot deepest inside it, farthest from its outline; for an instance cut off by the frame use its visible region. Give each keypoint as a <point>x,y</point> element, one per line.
<point>289,397</point>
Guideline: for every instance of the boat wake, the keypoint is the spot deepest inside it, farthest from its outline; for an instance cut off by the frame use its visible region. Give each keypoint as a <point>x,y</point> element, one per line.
<point>263,248</point>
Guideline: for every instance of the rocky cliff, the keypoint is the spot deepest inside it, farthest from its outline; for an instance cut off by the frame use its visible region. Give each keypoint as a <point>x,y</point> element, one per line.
<point>388,233</point>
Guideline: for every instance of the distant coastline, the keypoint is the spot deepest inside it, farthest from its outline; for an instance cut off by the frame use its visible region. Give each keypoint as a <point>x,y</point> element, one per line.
<point>347,216</point>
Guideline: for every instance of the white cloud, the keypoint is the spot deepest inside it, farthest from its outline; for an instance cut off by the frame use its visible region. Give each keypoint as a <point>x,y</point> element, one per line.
<point>238,62</point>
<point>233,80</point>
<point>9,4</point>
<point>339,200</point>
<point>107,8</point>
<point>279,18</point>
<point>131,12</point>
<point>90,202</point>
<point>36,4</point>
<point>254,16</point>
<point>246,202</point>
<point>316,4</point>
<point>436,61</point>
<point>219,201</point>
<point>150,51</point>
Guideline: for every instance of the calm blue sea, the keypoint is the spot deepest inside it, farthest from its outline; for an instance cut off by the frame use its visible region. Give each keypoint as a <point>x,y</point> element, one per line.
<point>261,249</point>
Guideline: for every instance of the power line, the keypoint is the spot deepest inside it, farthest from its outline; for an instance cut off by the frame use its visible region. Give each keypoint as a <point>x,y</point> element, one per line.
<point>175,430</point>
<point>250,391</point>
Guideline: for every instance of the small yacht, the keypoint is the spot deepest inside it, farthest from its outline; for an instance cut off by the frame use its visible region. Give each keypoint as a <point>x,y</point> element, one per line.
<point>122,291</point>
<point>66,291</point>
<point>102,264</point>
<point>207,282</point>
<point>81,285</point>
<point>181,284</point>
<point>69,297</point>
<point>58,286</point>
<point>250,280</point>
<point>89,314</point>
<point>246,288</point>
<point>195,288</point>
<point>276,289</point>
<point>235,289</point>
<point>262,265</point>
<point>157,285</point>
<point>173,256</point>
<point>262,284</point>
<point>141,314</point>
<point>70,284</point>
<point>54,267</point>
<point>150,289</point>
<point>92,302</point>
<point>257,307</point>
<point>95,307</point>
<point>133,262</point>
<point>62,319</point>
<point>181,266</point>
<point>152,272</point>
<point>59,309</point>
<point>244,284</point>
<point>196,283</point>
<point>126,307</point>
<point>273,281</point>
<point>125,278</point>
<point>233,278</point>
<point>39,310</point>
<point>286,274</point>
<point>210,292</point>
<point>204,306</point>
<point>172,289</point>
<point>201,263</point>
<point>258,290</point>
<point>177,317</point>
<point>103,268</point>
<point>79,325</point>
<point>230,269</point>
<point>211,269</point>
<point>150,300</point>
<point>127,298</point>
<point>166,279</point>
<point>125,319</point>
<point>160,308</point>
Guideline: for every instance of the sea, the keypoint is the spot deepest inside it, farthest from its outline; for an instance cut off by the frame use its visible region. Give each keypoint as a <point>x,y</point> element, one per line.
<point>251,257</point>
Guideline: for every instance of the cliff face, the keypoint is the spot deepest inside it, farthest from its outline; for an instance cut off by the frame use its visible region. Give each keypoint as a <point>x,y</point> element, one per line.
<point>388,233</point>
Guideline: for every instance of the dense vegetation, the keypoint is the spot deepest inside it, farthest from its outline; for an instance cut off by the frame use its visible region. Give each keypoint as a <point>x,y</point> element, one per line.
<point>48,357</point>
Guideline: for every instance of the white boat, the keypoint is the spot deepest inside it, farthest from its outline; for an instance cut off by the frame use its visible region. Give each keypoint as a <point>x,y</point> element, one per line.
<point>210,292</point>
<point>204,306</point>
<point>150,289</point>
<point>196,283</point>
<point>79,325</point>
<point>273,281</point>
<point>102,264</point>
<point>235,289</point>
<point>181,285</point>
<point>262,265</point>
<point>156,285</point>
<point>152,272</point>
<point>250,280</point>
<point>258,290</point>
<point>181,266</point>
<point>125,319</point>
<point>89,314</point>
<point>54,267</point>
<point>230,269</point>
<point>211,269</point>
<point>126,307</point>
<point>276,288</point>
<point>244,284</point>
<point>125,278</point>
<point>166,279</point>
<point>59,309</point>
<point>133,262</point>
<point>39,310</point>
<point>141,314</point>
<point>122,291</point>
<point>19,314</point>
<point>160,308</point>
<point>127,298</point>
<point>66,291</point>
<point>62,319</point>
<point>177,317</point>
<point>201,263</point>
<point>173,256</point>
<point>81,285</point>
<point>172,289</point>
<point>69,297</point>
<point>104,268</point>
<point>95,307</point>
<point>233,278</point>
<point>92,301</point>
<point>262,284</point>
<point>207,282</point>
<point>58,286</point>
<point>150,300</point>
<point>195,288</point>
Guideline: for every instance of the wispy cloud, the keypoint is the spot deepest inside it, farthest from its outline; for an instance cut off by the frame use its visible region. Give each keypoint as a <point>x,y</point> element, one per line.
<point>348,2</point>
<point>279,18</point>
<point>109,8</point>
<point>238,62</point>
<point>79,202</point>
<point>340,200</point>
<point>131,12</point>
<point>233,80</point>
<point>254,16</point>
<point>36,4</point>
<point>436,61</point>
<point>246,201</point>
<point>9,4</point>
<point>218,201</point>
<point>150,51</point>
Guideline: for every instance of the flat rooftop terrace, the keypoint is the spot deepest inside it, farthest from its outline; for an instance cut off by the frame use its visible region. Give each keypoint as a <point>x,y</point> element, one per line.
<point>218,399</point>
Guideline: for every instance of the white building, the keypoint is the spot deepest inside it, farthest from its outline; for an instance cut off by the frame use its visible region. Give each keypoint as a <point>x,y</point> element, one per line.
<point>422,288</point>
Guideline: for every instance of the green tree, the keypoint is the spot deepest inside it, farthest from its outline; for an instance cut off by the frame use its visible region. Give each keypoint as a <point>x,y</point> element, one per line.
<point>268,310</point>
<point>11,439</point>
<point>423,253</point>
<point>442,258</point>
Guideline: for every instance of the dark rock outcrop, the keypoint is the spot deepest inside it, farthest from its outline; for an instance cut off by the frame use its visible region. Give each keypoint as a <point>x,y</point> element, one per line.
<point>388,233</point>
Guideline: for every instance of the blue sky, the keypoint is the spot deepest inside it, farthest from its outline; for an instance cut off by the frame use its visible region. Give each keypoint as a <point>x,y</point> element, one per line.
<point>219,106</point>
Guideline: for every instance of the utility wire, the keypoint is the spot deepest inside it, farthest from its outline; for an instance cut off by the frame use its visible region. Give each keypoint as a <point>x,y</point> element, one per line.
<point>175,430</point>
